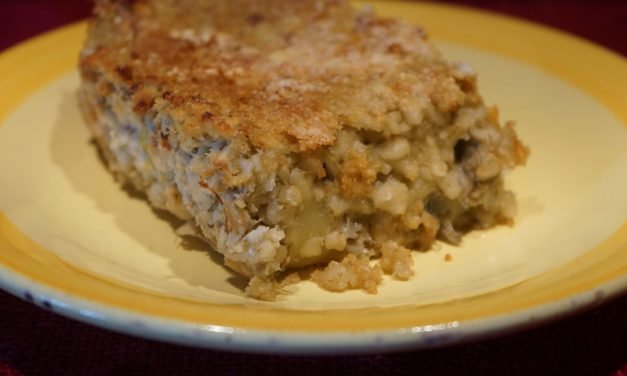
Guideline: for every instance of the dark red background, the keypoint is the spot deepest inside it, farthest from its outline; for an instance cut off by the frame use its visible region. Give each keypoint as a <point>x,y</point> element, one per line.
<point>36,342</point>
<point>601,21</point>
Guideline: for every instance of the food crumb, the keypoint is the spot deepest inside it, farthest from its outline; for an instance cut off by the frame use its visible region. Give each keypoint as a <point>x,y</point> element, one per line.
<point>448,257</point>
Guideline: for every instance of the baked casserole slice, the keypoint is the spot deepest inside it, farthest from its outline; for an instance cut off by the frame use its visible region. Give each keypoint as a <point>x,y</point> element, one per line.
<point>295,133</point>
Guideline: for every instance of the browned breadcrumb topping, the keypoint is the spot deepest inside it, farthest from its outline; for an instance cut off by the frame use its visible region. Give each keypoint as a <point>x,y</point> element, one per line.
<point>290,79</point>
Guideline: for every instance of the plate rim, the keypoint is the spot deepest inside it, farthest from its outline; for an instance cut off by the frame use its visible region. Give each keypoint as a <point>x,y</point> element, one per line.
<point>219,337</point>
<point>255,340</point>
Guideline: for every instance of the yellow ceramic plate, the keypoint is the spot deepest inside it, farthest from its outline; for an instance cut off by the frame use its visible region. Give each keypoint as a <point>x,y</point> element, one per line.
<point>73,241</point>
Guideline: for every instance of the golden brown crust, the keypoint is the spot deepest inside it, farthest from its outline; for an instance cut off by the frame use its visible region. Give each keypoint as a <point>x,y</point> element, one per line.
<point>273,80</point>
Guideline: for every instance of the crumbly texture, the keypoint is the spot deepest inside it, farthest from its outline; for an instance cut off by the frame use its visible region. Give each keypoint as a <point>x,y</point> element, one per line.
<point>294,133</point>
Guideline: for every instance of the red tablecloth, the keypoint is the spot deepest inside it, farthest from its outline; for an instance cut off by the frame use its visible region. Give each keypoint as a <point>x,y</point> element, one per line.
<point>36,342</point>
